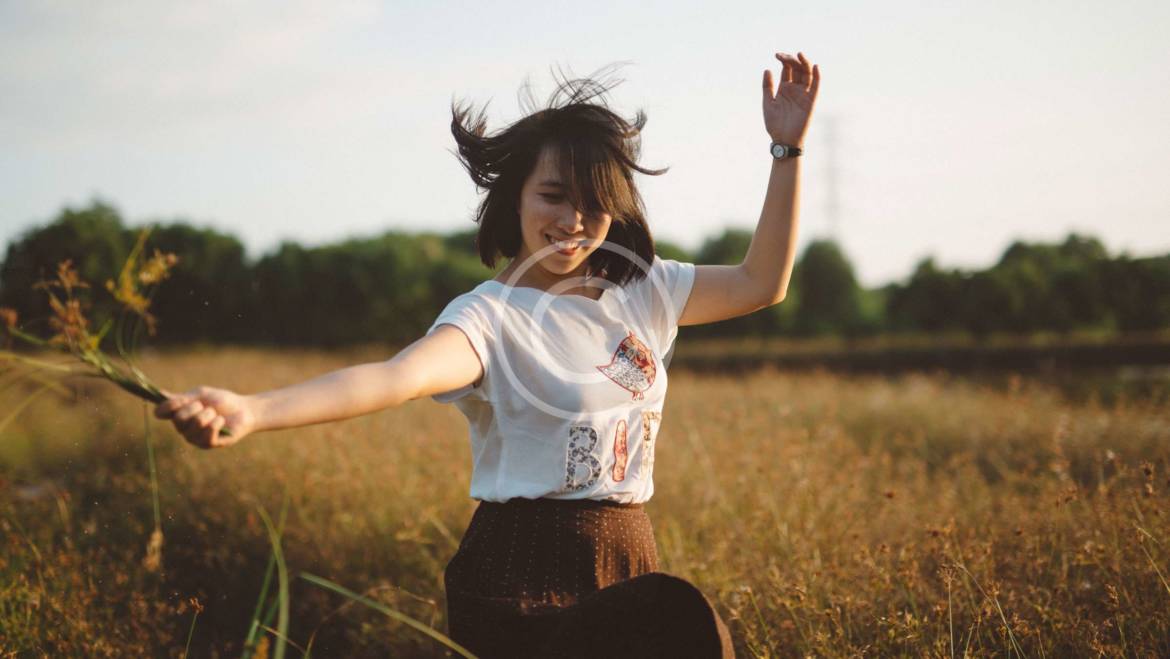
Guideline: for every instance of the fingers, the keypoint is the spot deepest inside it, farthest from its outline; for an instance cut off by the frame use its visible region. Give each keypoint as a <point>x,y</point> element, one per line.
<point>194,424</point>
<point>799,70</point>
<point>192,418</point>
<point>174,403</point>
<point>786,67</point>
<point>207,436</point>
<point>203,429</point>
<point>206,416</point>
<point>769,86</point>
<point>167,408</point>
<point>195,416</point>
<point>805,70</point>
<point>213,438</point>
<point>189,410</point>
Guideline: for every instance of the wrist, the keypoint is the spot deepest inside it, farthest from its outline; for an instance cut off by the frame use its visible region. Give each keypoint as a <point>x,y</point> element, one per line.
<point>781,151</point>
<point>261,409</point>
<point>787,141</point>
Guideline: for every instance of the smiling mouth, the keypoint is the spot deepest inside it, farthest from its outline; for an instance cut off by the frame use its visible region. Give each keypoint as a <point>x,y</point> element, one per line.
<point>564,246</point>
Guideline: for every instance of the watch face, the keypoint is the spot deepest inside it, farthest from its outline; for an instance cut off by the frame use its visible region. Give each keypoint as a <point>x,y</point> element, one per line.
<point>777,150</point>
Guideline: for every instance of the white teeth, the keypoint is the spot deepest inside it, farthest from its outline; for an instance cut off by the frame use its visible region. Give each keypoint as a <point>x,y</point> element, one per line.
<point>563,244</point>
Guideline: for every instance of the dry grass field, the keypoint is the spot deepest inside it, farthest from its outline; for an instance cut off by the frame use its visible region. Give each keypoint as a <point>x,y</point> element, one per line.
<point>826,516</point>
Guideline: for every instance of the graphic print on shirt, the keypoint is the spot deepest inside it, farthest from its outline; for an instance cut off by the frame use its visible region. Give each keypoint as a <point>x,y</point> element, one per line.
<point>632,366</point>
<point>582,468</point>
<point>621,452</point>
<point>650,421</point>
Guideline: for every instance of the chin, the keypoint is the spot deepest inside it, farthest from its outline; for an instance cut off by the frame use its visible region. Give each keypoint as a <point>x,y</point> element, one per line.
<point>560,267</point>
<point>557,264</point>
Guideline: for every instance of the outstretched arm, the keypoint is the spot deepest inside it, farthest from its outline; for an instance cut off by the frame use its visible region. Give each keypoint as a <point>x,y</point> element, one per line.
<point>441,361</point>
<point>727,291</point>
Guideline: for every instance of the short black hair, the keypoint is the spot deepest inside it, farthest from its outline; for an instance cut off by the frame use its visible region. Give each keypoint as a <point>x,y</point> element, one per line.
<point>596,150</point>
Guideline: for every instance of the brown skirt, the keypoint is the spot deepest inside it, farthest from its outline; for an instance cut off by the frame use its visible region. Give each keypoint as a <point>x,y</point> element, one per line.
<point>550,578</point>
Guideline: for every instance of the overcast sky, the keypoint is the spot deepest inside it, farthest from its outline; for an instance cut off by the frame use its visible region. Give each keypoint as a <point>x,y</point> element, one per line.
<point>957,127</point>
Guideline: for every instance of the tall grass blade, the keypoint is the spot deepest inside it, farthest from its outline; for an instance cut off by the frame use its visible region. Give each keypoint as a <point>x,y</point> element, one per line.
<point>282,586</point>
<point>35,376</point>
<point>190,633</point>
<point>23,404</point>
<point>12,356</point>
<point>254,628</point>
<point>385,610</point>
<point>286,639</point>
<point>1154,564</point>
<point>994,600</point>
<point>153,559</point>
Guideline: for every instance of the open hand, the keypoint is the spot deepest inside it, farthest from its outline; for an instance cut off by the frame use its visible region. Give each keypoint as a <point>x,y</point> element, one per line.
<point>787,108</point>
<point>200,414</point>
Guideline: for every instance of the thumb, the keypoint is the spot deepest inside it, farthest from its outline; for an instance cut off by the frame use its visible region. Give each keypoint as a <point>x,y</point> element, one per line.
<point>769,92</point>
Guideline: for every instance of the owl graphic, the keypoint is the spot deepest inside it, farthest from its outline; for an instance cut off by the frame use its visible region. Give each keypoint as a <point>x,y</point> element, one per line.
<point>632,366</point>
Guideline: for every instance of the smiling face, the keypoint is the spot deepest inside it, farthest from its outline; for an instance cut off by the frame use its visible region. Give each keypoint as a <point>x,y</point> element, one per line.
<point>548,217</point>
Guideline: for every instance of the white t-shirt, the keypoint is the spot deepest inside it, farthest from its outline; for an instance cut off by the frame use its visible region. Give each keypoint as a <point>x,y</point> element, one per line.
<point>571,398</point>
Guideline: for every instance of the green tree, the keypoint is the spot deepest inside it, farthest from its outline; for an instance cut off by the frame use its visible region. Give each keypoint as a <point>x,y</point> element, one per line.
<point>930,300</point>
<point>1053,286</point>
<point>92,237</point>
<point>668,250</point>
<point>987,302</point>
<point>830,299</point>
<point>388,288</point>
<point>1139,292</point>
<point>462,242</point>
<point>729,248</point>
<point>209,295</point>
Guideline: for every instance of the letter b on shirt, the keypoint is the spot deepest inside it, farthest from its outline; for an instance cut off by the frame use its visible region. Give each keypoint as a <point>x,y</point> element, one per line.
<point>582,468</point>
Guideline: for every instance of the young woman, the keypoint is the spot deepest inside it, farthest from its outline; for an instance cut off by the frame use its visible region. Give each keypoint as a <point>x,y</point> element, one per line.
<point>558,364</point>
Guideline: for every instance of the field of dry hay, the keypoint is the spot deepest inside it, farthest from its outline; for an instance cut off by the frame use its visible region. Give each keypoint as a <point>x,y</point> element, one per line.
<point>826,516</point>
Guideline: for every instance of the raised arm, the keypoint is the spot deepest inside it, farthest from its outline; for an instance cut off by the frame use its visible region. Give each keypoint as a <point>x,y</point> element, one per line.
<point>727,291</point>
<point>441,361</point>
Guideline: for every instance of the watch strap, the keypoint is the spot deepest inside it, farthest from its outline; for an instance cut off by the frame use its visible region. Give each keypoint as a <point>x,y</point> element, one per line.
<point>789,151</point>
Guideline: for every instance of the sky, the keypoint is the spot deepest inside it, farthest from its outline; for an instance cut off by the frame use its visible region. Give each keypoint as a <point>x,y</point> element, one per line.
<point>942,129</point>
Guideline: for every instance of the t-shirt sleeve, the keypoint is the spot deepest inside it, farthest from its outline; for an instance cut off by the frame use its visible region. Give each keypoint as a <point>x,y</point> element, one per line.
<point>468,313</point>
<point>670,284</point>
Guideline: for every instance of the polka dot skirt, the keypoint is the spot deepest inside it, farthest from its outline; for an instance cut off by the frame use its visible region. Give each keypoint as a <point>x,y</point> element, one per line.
<point>523,567</point>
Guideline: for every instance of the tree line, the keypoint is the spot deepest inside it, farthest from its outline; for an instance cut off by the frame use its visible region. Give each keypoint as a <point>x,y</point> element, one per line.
<point>390,287</point>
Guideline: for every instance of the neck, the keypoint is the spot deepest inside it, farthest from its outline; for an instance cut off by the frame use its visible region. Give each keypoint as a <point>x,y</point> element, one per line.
<point>539,278</point>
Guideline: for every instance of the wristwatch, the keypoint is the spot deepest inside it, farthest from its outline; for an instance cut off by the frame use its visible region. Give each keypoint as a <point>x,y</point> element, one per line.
<point>782,151</point>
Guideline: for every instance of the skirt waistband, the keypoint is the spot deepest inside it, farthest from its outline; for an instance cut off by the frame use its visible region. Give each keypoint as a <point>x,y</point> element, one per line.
<point>561,504</point>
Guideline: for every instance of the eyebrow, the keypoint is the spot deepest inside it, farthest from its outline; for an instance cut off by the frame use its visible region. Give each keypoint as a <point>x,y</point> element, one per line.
<point>551,183</point>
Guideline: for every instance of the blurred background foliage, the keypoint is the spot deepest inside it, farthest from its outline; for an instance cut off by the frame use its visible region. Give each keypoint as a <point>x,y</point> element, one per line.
<point>390,287</point>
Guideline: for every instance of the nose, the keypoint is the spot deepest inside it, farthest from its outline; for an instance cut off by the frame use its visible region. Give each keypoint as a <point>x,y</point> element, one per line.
<point>570,222</point>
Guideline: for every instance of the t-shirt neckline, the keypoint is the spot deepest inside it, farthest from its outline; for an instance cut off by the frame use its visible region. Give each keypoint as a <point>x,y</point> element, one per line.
<point>604,291</point>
